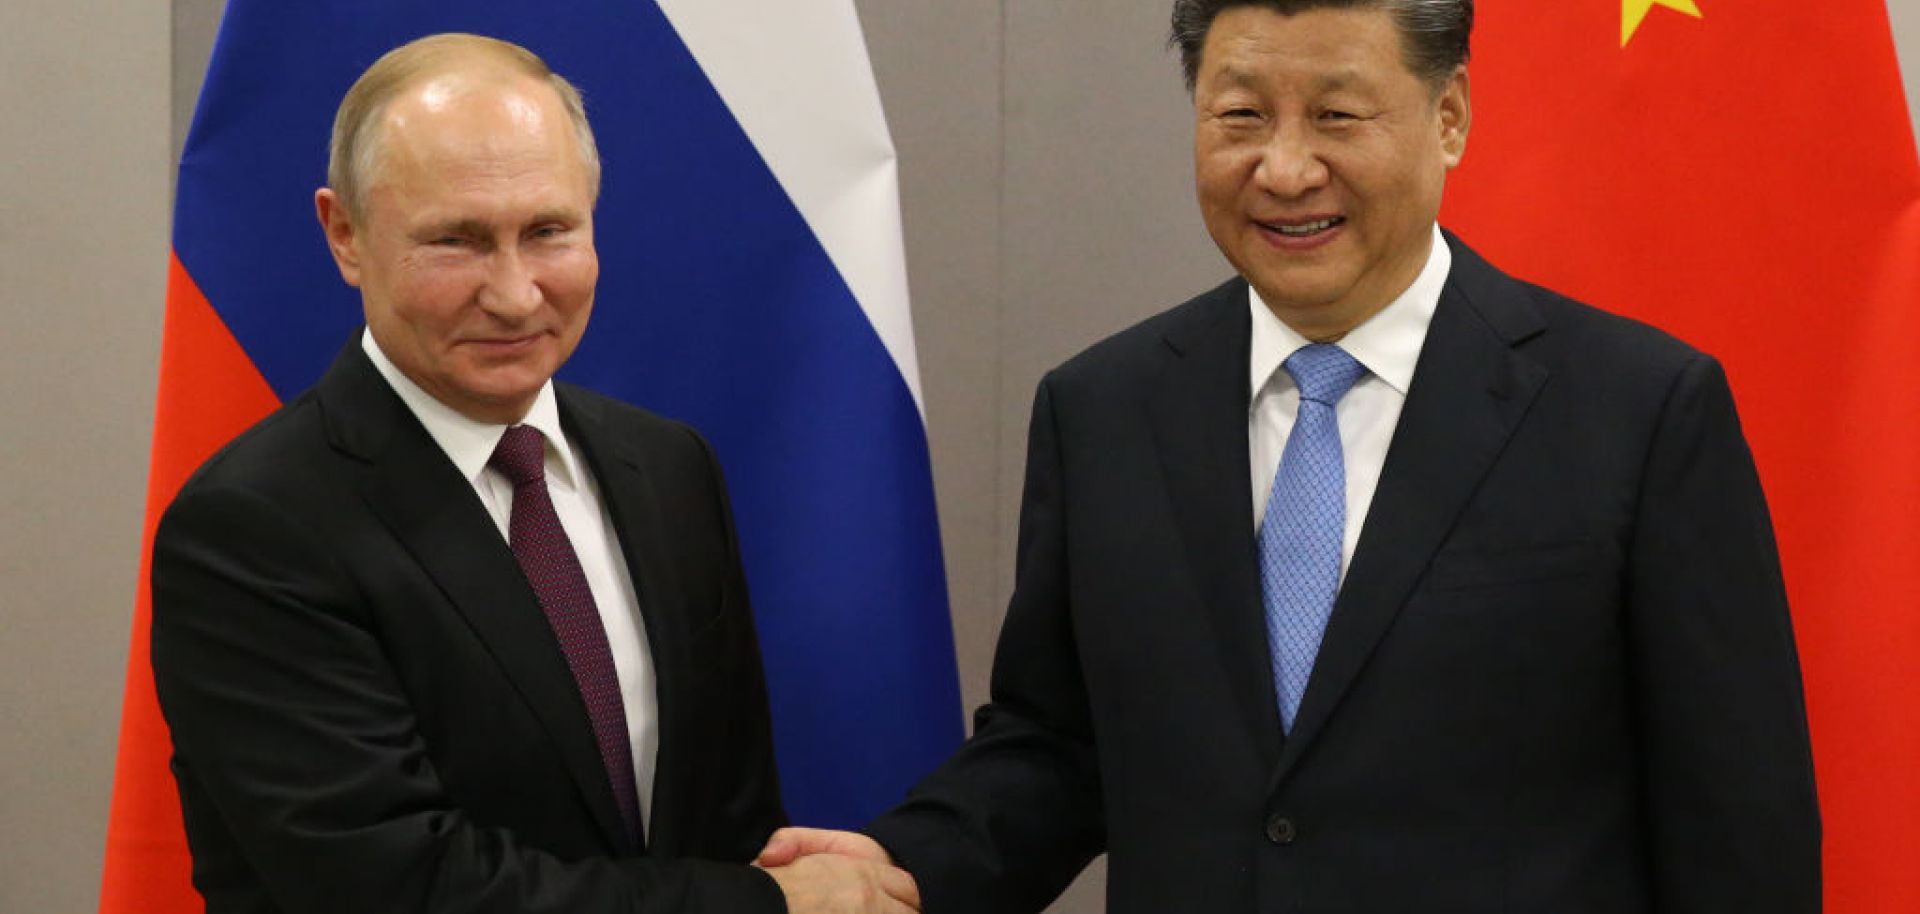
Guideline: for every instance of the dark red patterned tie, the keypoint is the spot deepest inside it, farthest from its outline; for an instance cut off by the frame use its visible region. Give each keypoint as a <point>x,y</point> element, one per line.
<point>545,554</point>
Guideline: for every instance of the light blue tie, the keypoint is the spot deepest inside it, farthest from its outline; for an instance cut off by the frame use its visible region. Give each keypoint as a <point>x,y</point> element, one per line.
<point>1305,523</point>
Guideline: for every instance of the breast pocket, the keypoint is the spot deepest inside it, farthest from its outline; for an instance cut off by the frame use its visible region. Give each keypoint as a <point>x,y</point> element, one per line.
<point>1479,567</point>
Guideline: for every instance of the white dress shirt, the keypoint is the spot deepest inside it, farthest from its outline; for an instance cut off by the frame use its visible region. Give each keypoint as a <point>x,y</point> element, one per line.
<point>576,499</point>
<point>1387,345</point>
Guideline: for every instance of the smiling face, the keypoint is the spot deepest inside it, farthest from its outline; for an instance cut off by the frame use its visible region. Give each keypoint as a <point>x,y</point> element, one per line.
<point>1319,159</point>
<point>474,253</point>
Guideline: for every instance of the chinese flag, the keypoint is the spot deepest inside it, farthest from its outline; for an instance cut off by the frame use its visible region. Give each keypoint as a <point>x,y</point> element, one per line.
<point>1742,173</point>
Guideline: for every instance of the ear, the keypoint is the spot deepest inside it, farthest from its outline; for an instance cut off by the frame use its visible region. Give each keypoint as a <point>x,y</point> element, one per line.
<point>342,239</point>
<point>1456,117</point>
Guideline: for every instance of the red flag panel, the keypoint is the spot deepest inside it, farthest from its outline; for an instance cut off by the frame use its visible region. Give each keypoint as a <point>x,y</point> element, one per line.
<point>209,392</point>
<point>1747,180</point>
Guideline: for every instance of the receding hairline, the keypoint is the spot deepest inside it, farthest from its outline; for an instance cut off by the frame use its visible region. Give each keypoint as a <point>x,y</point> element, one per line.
<point>360,123</point>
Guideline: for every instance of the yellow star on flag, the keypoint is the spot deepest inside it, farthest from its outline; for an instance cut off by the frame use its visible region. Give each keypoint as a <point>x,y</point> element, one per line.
<point>1632,12</point>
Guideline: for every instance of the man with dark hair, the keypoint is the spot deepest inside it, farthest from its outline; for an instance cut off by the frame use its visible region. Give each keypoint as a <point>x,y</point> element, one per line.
<point>1374,580</point>
<point>443,635</point>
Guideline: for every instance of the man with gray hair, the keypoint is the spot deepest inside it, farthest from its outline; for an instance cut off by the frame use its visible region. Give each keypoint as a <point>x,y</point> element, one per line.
<point>443,634</point>
<point>1374,580</point>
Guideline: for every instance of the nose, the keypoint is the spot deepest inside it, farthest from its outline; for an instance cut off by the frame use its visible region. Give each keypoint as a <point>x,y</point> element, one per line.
<point>1290,164</point>
<point>509,290</point>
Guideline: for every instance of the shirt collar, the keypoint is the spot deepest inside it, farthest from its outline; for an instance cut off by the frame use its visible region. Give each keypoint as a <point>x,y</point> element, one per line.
<point>1387,344</point>
<point>467,442</point>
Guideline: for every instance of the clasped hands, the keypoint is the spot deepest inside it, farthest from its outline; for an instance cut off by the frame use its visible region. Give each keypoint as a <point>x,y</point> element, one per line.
<point>836,872</point>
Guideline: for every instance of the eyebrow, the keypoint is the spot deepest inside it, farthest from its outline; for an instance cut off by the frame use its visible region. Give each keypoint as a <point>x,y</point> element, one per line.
<point>477,228</point>
<point>555,215</point>
<point>1236,75</point>
<point>1340,79</point>
<point>464,227</point>
<point>1344,79</point>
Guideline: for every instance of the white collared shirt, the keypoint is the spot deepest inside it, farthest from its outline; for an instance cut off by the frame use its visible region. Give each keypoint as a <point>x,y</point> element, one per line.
<point>583,515</point>
<point>1387,345</point>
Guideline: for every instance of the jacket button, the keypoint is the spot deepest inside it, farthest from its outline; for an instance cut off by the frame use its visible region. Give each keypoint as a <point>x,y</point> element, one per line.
<point>1280,830</point>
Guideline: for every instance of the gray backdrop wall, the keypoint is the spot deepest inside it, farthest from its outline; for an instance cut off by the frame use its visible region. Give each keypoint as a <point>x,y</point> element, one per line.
<point>1044,168</point>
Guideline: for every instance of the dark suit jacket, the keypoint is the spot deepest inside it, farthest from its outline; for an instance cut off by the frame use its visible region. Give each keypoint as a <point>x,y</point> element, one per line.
<point>1559,678</point>
<point>370,714</point>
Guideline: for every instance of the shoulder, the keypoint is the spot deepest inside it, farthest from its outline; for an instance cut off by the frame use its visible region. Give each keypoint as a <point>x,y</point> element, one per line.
<point>669,453</point>
<point>1564,334</point>
<point>1137,355</point>
<point>273,505</point>
<point>306,451</point>
<point>609,419</point>
<point>279,453</point>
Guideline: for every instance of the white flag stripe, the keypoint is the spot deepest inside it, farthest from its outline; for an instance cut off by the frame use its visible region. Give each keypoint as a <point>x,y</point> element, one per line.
<point>795,75</point>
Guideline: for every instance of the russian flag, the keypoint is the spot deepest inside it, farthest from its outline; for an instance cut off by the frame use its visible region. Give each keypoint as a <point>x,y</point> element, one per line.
<point>752,283</point>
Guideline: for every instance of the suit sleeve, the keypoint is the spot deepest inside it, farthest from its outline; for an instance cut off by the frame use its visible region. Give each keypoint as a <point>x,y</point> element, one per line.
<point>1726,764</point>
<point>752,809</point>
<point>290,727</point>
<point>1006,824</point>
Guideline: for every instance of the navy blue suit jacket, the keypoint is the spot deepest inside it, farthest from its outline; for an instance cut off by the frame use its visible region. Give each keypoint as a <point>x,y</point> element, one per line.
<point>1560,676</point>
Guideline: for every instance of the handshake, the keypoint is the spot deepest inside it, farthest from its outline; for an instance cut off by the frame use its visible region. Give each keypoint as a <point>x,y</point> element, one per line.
<point>836,872</point>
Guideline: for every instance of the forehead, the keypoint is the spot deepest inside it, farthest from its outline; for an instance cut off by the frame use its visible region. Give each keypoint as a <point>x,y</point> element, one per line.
<point>477,112</point>
<point>1331,46</point>
<point>480,135</point>
<point>457,153</point>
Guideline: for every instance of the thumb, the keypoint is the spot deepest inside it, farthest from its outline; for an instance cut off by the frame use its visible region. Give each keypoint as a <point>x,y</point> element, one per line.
<point>900,886</point>
<point>781,850</point>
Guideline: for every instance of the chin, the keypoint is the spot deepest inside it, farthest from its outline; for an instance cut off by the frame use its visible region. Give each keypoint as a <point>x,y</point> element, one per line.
<point>1297,291</point>
<point>504,388</point>
<point>506,396</point>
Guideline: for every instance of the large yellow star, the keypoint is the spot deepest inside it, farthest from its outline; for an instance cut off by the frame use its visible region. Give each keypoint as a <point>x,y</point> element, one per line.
<point>1632,12</point>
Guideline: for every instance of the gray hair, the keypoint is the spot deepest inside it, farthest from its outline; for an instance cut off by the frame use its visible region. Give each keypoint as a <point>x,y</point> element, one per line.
<point>1435,33</point>
<point>353,152</point>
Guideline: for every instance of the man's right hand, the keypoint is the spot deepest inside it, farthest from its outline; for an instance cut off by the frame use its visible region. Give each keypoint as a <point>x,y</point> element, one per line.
<point>834,884</point>
<point>790,844</point>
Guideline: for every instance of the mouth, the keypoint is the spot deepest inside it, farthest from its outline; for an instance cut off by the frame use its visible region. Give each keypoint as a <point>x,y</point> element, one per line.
<point>503,342</point>
<point>1303,229</point>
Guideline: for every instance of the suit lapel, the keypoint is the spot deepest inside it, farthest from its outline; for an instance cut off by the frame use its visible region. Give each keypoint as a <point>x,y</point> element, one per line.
<point>1469,392</point>
<point>1199,418</point>
<point>627,493</point>
<point>416,491</point>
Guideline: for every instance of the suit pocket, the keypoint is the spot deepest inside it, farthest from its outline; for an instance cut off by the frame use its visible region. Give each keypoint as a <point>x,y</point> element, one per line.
<point>1472,568</point>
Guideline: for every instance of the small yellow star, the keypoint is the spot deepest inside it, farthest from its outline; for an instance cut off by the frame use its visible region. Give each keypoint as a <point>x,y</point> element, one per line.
<point>1632,12</point>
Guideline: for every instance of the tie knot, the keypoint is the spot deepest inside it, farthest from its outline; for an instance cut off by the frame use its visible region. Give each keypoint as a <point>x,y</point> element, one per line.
<point>1323,372</point>
<point>521,455</point>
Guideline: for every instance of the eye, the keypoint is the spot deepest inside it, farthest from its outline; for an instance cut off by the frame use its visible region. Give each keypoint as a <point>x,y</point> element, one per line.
<point>1239,118</point>
<point>1337,115</point>
<point>448,241</point>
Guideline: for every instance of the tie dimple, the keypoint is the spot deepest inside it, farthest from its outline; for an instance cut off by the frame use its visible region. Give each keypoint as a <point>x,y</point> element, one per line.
<point>521,455</point>
<point>1323,372</point>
